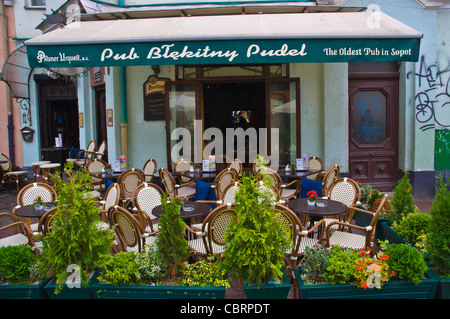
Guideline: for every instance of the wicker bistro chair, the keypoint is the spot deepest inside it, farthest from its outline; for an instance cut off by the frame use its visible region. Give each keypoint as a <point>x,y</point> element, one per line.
<point>10,176</point>
<point>87,154</point>
<point>129,180</point>
<point>228,197</point>
<point>222,180</point>
<point>100,151</point>
<point>129,230</point>
<point>329,177</point>
<point>354,241</point>
<point>316,163</point>
<point>111,199</point>
<point>21,233</point>
<point>29,193</point>
<point>185,191</point>
<point>284,190</point>
<point>183,165</point>
<point>346,191</point>
<point>146,197</point>
<point>236,164</point>
<point>149,170</point>
<point>300,237</point>
<point>211,238</point>
<point>96,166</point>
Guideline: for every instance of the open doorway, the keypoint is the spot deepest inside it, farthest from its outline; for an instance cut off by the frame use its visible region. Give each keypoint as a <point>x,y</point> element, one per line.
<point>233,105</point>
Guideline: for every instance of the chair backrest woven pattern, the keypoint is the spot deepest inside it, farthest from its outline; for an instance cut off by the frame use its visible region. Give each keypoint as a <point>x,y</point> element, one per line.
<point>343,191</point>
<point>147,197</point>
<point>30,192</point>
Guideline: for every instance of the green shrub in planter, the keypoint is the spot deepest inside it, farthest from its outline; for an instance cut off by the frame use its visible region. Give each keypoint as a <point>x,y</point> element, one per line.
<point>406,262</point>
<point>77,237</point>
<point>402,203</point>
<point>255,241</point>
<point>413,226</point>
<point>315,263</point>
<point>15,264</point>
<point>438,235</point>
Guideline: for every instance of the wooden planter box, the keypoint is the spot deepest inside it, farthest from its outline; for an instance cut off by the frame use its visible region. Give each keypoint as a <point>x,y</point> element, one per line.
<point>71,293</point>
<point>279,291</point>
<point>24,291</point>
<point>101,291</point>
<point>395,289</point>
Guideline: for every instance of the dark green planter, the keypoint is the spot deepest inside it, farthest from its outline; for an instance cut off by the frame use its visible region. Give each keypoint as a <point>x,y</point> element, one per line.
<point>395,289</point>
<point>101,291</point>
<point>279,291</point>
<point>24,291</point>
<point>443,290</point>
<point>71,293</point>
<point>385,231</point>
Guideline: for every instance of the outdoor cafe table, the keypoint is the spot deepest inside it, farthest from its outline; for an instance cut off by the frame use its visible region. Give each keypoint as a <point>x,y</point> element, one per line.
<point>316,213</point>
<point>197,176</point>
<point>297,174</point>
<point>199,210</point>
<point>30,211</point>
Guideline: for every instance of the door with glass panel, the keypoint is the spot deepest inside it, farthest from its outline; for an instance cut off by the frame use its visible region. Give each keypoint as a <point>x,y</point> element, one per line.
<point>283,113</point>
<point>373,130</point>
<point>181,109</point>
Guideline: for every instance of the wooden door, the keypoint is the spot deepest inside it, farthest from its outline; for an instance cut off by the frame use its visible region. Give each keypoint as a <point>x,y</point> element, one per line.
<point>373,131</point>
<point>100,96</point>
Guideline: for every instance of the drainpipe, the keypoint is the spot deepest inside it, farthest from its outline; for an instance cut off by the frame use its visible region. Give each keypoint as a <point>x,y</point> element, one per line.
<point>124,124</point>
<point>10,126</point>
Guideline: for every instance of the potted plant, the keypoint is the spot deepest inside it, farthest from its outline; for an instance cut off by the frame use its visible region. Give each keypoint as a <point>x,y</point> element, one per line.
<point>77,244</point>
<point>438,237</point>
<point>364,274</point>
<point>312,197</point>
<point>197,168</point>
<point>255,243</point>
<point>161,270</point>
<point>17,280</point>
<point>38,202</point>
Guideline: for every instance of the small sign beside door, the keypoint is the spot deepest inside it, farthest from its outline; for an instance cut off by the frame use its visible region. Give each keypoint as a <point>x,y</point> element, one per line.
<point>154,98</point>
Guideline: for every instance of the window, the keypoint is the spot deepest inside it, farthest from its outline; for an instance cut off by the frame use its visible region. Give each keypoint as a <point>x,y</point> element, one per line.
<point>35,3</point>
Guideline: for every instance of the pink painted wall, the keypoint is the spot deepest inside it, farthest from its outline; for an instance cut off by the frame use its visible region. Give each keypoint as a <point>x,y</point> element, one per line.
<point>17,123</point>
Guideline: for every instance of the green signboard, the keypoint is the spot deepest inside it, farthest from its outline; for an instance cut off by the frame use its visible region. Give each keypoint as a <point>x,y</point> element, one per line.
<point>56,55</point>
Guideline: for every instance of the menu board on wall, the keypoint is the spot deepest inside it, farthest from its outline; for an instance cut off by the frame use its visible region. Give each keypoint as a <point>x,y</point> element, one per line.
<point>154,98</point>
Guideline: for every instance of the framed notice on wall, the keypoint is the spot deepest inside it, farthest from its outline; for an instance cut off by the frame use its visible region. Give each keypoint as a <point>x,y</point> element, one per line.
<point>154,98</point>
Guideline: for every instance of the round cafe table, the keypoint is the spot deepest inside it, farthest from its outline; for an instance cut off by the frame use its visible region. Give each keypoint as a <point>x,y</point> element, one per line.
<point>316,213</point>
<point>29,211</point>
<point>199,210</point>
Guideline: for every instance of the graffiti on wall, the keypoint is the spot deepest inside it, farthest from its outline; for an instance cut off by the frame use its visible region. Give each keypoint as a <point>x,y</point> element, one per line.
<point>433,97</point>
<point>432,106</point>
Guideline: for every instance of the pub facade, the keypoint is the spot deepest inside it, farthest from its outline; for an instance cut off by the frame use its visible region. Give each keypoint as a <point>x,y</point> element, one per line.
<point>360,84</point>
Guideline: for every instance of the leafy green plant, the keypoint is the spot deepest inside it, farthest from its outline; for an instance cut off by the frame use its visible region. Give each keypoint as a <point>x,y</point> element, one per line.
<point>406,262</point>
<point>120,269</point>
<point>412,226</point>
<point>205,274</point>
<point>438,235</point>
<point>374,195</point>
<point>402,202</point>
<point>340,268</point>
<point>172,245</point>
<point>255,239</point>
<point>149,264</point>
<point>77,237</point>
<point>365,192</point>
<point>315,264</point>
<point>15,263</point>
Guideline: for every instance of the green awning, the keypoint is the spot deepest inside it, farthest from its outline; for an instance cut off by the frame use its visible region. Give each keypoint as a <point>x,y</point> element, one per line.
<point>235,39</point>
